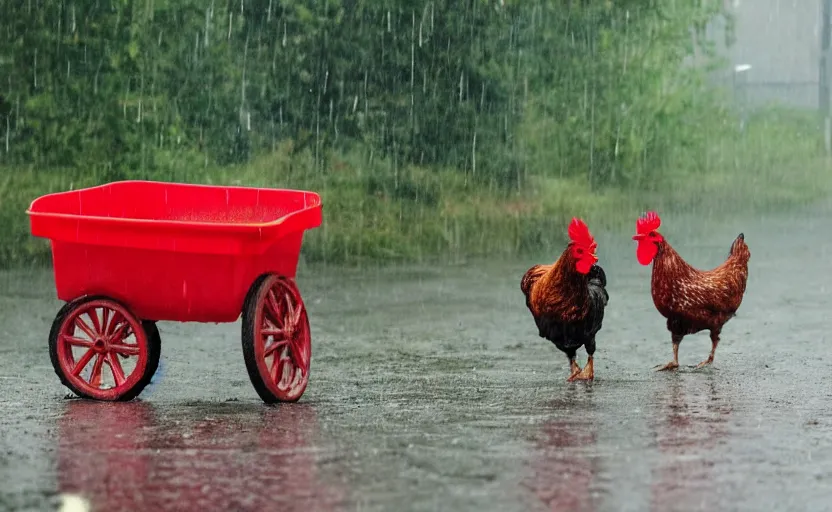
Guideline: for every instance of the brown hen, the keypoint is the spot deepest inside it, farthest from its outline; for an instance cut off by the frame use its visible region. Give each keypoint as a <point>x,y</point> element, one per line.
<point>691,300</point>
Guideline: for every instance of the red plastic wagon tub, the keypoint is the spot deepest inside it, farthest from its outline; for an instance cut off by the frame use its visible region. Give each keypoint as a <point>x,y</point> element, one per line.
<point>128,254</point>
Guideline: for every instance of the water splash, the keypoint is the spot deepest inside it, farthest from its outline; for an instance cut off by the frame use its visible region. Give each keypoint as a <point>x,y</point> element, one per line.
<point>74,503</point>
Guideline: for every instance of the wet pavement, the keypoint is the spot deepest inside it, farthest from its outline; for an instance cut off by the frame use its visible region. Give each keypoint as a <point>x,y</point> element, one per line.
<point>430,390</point>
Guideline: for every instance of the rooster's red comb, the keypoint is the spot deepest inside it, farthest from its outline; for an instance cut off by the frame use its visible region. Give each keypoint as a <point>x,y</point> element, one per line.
<point>579,233</point>
<point>648,222</point>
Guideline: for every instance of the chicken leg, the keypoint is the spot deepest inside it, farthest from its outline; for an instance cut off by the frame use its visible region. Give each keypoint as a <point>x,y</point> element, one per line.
<point>574,369</point>
<point>714,343</point>
<point>588,373</point>
<point>672,365</point>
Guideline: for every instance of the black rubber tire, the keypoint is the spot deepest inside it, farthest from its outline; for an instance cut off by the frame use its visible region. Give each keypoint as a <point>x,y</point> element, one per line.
<point>154,345</point>
<point>247,336</point>
<point>248,324</point>
<point>153,353</point>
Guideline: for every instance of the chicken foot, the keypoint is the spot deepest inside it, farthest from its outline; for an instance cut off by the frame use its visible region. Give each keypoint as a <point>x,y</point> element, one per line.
<point>672,365</point>
<point>588,373</point>
<point>714,343</point>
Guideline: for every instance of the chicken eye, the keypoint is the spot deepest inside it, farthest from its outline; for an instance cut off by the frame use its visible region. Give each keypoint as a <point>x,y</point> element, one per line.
<point>580,251</point>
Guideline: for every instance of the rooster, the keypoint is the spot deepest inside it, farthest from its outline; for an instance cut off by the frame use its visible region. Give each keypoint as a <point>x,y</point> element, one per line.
<point>567,299</point>
<point>691,300</point>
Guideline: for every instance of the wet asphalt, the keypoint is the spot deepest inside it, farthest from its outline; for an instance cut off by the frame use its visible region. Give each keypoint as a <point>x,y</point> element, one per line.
<point>430,390</point>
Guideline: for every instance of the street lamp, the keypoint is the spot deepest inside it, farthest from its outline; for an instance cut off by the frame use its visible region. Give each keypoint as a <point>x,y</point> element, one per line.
<point>741,70</point>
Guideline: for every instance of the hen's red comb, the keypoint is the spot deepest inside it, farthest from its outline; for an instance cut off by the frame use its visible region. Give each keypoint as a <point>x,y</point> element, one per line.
<point>648,222</point>
<point>579,233</point>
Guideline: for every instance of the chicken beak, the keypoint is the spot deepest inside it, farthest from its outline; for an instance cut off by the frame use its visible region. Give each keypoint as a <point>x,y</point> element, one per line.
<point>595,257</point>
<point>639,237</point>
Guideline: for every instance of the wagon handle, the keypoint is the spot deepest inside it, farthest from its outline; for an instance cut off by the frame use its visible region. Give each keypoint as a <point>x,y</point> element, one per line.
<point>300,220</point>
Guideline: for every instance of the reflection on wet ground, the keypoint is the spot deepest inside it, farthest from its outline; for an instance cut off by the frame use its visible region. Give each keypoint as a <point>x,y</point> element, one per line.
<point>136,456</point>
<point>430,390</point>
<point>690,426</point>
<point>564,467</point>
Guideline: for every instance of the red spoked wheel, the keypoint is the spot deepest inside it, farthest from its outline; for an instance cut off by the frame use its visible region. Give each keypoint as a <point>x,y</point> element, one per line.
<point>102,351</point>
<point>277,342</point>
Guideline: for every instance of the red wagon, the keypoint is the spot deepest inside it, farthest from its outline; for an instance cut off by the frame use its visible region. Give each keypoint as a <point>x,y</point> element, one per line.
<point>129,254</point>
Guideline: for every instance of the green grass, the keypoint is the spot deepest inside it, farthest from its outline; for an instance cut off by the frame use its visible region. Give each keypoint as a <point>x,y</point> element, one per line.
<point>374,212</point>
